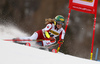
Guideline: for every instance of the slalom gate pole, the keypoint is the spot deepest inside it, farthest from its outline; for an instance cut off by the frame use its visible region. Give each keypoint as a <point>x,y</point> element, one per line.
<point>65,27</point>
<point>68,20</point>
<point>93,38</point>
<point>91,55</point>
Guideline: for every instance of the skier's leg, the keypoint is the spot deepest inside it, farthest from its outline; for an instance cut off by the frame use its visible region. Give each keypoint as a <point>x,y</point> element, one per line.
<point>33,37</point>
<point>40,36</point>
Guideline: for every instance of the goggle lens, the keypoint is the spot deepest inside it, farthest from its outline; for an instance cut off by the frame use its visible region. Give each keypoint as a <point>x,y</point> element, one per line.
<point>60,23</point>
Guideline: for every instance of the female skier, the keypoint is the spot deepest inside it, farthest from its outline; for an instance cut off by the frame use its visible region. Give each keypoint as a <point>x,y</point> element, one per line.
<point>53,29</point>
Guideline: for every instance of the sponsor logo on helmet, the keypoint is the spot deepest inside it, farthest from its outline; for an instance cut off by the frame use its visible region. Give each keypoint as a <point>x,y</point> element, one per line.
<point>61,19</point>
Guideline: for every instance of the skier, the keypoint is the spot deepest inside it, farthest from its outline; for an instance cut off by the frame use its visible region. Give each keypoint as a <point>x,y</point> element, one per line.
<point>53,29</point>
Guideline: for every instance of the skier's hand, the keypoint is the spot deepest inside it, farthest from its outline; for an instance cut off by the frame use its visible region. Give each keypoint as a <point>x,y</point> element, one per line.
<point>52,39</point>
<point>60,41</point>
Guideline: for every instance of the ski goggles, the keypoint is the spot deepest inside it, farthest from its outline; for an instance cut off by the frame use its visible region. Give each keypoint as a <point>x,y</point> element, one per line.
<point>60,23</point>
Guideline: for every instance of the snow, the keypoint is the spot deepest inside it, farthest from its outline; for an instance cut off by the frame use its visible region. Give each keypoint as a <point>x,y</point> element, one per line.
<point>12,53</point>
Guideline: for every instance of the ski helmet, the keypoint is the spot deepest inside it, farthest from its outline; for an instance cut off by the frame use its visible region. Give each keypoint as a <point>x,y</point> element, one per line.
<point>59,19</point>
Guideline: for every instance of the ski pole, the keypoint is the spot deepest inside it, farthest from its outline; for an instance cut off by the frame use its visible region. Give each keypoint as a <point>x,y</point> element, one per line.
<point>58,48</point>
<point>53,45</point>
<point>28,40</point>
<point>22,40</point>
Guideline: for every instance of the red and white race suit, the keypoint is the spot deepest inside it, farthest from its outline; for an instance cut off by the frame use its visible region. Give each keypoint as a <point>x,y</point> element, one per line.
<point>53,32</point>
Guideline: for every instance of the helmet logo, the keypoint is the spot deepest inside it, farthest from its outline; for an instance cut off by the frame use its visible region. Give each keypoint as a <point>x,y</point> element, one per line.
<point>62,19</point>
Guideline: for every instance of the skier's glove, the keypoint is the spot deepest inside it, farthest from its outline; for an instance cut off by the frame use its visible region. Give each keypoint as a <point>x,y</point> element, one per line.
<point>15,40</point>
<point>60,41</point>
<point>52,39</point>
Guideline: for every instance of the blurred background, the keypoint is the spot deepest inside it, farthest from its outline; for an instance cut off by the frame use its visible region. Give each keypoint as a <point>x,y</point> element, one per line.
<point>30,15</point>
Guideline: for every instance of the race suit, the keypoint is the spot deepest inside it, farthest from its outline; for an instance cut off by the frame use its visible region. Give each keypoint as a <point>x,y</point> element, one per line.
<point>53,32</point>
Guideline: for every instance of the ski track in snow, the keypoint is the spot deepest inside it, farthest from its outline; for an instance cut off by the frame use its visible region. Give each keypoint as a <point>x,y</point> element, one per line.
<point>12,53</point>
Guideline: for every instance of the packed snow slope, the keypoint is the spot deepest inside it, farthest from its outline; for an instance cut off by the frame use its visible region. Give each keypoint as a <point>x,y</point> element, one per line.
<point>12,53</point>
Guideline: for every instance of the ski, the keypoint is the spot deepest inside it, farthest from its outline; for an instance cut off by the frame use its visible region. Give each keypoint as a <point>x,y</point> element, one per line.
<point>40,47</point>
<point>30,44</point>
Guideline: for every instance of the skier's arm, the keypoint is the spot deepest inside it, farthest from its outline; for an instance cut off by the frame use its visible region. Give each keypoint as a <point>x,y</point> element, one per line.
<point>46,32</point>
<point>47,29</point>
<point>61,37</point>
<point>62,34</point>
